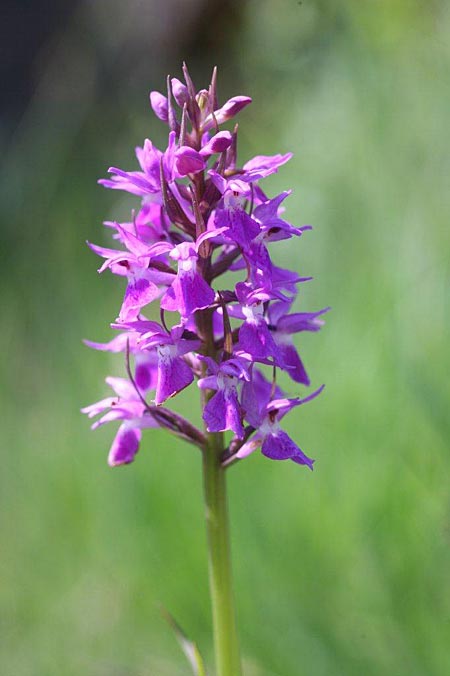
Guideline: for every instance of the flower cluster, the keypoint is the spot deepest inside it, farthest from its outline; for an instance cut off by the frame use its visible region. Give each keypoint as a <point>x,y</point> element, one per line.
<point>201,215</point>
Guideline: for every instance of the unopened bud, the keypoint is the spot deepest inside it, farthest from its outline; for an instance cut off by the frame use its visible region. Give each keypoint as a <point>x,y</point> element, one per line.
<point>220,142</point>
<point>180,92</point>
<point>188,161</point>
<point>160,105</point>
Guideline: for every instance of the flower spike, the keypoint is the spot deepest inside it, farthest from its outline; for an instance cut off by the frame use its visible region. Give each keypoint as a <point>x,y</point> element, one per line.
<point>203,214</point>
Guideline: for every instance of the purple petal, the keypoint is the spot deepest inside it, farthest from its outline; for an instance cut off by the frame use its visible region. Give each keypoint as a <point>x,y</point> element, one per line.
<point>124,447</point>
<point>220,142</point>
<point>257,340</point>
<point>173,376</point>
<point>231,108</point>
<point>122,387</point>
<point>146,374</point>
<point>283,406</point>
<point>279,446</point>
<point>188,161</point>
<point>223,412</point>
<point>187,294</point>
<point>293,364</point>
<point>117,344</point>
<point>263,165</point>
<point>242,228</point>
<point>249,446</point>
<point>134,182</point>
<point>160,105</point>
<point>94,409</point>
<point>139,293</point>
<point>301,321</point>
<point>180,92</point>
<point>269,209</point>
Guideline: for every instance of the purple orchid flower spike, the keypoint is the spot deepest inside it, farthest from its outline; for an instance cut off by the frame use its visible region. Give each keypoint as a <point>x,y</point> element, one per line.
<point>196,221</point>
<point>223,411</point>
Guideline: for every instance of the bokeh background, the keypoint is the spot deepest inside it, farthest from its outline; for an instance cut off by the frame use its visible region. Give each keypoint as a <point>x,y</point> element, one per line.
<point>340,572</point>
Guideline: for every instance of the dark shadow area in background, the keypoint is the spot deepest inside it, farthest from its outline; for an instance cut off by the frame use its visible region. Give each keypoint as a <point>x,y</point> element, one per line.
<point>31,32</point>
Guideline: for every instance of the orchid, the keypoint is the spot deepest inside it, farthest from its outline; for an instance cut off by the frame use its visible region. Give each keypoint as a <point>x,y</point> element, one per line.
<point>199,214</point>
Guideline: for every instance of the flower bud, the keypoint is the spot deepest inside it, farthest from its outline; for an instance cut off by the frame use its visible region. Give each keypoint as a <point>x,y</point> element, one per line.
<point>180,92</point>
<point>220,142</point>
<point>231,108</point>
<point>202,99</point>
<point>188,161</point>
<point>159,104</point>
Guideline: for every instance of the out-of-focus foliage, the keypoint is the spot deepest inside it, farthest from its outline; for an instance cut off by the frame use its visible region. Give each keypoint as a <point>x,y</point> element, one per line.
<point>339,572</point>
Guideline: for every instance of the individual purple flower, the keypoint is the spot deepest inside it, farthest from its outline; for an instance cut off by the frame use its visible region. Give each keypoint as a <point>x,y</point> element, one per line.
<point>254,335</point>
<point>135,265</point>
<point>126,406</point>
<point>231,214</point>
<point>275,443</point>
<point>189,291</point>
<point>174,374</point>
<point>223,411</point>
<point>273,227</point>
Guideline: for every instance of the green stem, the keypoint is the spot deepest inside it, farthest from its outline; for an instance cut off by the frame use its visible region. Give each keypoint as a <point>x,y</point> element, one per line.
<point>220,577</point>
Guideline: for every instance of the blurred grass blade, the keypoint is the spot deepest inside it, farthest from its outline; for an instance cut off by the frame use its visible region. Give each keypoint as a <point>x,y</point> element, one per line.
<point>189,648</point>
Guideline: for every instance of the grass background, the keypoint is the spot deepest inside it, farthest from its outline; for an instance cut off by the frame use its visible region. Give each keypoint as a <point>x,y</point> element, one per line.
<point>339,572</point>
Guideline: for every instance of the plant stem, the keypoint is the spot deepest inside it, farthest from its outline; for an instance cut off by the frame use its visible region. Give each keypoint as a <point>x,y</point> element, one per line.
<point>226,645</point>
<point>220,577</point>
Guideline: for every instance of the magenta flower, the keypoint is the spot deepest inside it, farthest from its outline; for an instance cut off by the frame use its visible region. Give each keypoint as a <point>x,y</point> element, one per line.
<point>275,443</point>
<point>126,406</point>
<point>223,411</point>
<point>201,214</point>
<point>189,291</point>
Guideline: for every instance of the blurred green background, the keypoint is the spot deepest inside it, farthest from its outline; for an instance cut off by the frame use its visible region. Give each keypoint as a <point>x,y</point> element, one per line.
<point>340,572</point>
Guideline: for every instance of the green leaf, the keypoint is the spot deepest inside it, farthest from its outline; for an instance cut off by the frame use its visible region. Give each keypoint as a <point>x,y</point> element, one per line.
<point>189,648</point>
